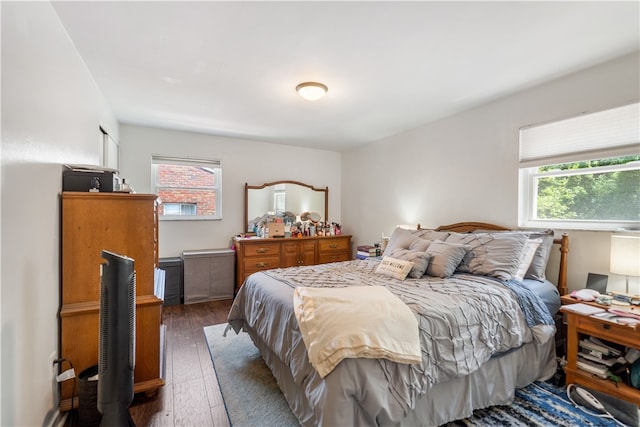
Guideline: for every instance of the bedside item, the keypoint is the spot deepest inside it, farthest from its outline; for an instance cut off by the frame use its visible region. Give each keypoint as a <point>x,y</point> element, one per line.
<point>585,294</point>
<point>593,342</point>
<point>604,299</point>
<point>625,257</point>
<point>597,282</point>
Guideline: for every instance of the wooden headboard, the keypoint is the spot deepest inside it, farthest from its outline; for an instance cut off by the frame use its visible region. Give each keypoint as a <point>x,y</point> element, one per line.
<point>563,241</point>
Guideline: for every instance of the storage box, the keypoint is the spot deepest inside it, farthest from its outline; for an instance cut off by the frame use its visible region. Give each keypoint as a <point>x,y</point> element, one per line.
<point>276,229</point>
<point>209,274</point>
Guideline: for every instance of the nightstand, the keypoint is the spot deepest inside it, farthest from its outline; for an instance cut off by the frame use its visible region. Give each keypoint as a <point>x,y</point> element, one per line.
<point>580,326</point>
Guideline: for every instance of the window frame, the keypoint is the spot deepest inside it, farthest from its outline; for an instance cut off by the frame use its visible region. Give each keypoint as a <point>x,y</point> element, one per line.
<point>528,190</point>
<point>589,136</point>
<point>215,166</point>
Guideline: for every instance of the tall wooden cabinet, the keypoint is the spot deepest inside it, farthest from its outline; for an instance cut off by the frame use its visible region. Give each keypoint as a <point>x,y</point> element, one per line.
<point>125,224</point>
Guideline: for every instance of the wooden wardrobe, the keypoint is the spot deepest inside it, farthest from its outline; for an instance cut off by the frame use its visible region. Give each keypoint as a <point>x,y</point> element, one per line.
<point>127,225</point>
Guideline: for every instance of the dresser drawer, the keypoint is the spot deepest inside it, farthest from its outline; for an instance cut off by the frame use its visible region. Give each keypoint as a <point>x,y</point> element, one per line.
<point>610,331</point>
<point>334,244</point>
<point>263,249</point>
<point>253,264</point>
<point>326,257</point>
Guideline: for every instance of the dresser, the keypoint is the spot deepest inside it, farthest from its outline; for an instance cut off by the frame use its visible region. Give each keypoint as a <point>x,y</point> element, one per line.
<point>263,254</point>
<point>127,225</point>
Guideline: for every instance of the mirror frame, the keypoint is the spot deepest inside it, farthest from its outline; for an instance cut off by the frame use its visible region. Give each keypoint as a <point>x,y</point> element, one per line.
<point>248,187</point>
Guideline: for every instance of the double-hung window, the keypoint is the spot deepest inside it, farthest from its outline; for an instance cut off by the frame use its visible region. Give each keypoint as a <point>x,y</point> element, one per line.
<point>582,172</point>
<point>188,188</point>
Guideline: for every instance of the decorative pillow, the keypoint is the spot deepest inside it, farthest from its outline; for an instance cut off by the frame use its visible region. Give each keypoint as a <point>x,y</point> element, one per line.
<point>491,254</point>
<point>540,260</point>
<point>529,251</point>
<point>404,239</point>
<point>395,268</point>
<point>538,265</point>
<point>445,257</point>
<point>427,234</point>
<point>420,261</point>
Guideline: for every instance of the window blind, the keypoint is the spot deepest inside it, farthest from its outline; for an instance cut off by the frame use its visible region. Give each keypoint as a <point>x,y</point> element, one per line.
<point>184,161</point>
<point>609,133</point>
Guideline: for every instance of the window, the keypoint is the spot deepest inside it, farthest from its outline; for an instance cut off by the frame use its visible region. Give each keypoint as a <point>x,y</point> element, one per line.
<point>583,172</point>
<point>179,209</point>
<point>188,188</point>
<point>279,198</point>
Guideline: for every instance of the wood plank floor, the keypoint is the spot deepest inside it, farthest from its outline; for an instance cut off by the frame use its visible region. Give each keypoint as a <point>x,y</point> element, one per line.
<point>191,396</point>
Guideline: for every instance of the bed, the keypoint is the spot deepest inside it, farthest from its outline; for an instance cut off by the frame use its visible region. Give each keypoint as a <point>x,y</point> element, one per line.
<point>481,332</point>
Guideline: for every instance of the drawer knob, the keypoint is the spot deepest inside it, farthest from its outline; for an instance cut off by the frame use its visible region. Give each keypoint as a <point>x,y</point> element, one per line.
<point>262,250</point>
<point>333,246</point>
<point>261,264</point>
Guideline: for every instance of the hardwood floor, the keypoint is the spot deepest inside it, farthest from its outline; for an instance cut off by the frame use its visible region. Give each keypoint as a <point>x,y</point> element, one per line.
<point>191,396</point>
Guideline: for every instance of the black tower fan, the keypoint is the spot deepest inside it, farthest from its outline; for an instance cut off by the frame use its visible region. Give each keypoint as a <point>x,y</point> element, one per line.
<point>117,339</point>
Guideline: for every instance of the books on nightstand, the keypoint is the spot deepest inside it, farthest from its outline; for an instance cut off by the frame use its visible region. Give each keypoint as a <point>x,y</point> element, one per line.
<point>367,251</point>
<point>596,357</point>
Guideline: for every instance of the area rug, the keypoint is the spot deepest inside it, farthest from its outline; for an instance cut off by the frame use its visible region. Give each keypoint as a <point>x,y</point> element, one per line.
<point>252,397</point>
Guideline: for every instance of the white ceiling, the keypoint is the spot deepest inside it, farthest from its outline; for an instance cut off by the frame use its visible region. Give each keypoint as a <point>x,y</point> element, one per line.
<point>230,68</point>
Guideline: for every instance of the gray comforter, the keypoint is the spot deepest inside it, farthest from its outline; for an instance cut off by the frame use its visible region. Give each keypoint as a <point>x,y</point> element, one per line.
<point>464,321</point>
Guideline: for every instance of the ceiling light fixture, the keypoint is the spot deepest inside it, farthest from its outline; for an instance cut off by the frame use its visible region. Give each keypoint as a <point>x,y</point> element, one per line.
<point>311,91</point>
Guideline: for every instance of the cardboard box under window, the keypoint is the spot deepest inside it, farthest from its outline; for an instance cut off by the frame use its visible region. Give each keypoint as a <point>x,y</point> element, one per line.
<point>276,229</point>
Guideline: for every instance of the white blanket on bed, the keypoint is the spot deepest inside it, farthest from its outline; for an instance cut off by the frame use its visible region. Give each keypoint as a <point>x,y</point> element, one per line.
<point>355,322</point>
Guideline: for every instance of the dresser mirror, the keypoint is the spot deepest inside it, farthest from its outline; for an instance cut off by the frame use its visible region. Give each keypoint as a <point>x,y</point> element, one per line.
<point>276,198</point>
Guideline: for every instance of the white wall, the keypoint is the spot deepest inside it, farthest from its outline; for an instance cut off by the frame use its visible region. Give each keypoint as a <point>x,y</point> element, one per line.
<point>465,167</point>
<point>243,161</point>
<point>51,110</point>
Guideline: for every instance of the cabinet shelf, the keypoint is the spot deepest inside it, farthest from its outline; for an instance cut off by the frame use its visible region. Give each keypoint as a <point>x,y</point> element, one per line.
<point>579,325</point>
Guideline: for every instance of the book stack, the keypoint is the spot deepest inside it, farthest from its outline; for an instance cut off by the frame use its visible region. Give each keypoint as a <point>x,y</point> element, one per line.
<point>367,251</point>
<point>596,357</point>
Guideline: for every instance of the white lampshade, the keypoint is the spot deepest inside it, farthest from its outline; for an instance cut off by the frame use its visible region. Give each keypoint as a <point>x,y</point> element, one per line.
<point>311,91</point>
<point>625,255</point>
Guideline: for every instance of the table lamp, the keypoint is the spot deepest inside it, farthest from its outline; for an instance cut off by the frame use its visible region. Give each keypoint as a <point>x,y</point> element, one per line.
<point>625,256</point>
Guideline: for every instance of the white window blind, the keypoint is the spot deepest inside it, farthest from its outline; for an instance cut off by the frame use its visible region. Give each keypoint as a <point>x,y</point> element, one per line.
<point>184,161</point>
<point>609,133</point>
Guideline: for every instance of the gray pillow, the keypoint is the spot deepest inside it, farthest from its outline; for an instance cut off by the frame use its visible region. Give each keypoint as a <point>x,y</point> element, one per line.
<point>403,239</point>
<point>538,265</point>
<point>491,254</point>
<point>445,257</point>
<point>540,260</point>
<point>424,233</point>
<point>420,260</point>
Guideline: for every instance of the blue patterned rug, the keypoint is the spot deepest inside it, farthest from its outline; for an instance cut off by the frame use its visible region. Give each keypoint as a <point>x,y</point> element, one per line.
<point>543,404</point>
<point>252,397</point>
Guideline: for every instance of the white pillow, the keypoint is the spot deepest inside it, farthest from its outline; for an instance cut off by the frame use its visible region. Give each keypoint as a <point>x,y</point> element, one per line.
<point>396,268</point>
<point>528,252</point>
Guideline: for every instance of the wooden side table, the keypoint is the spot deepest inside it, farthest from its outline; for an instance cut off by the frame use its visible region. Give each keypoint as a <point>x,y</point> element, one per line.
<point>579,326</point>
